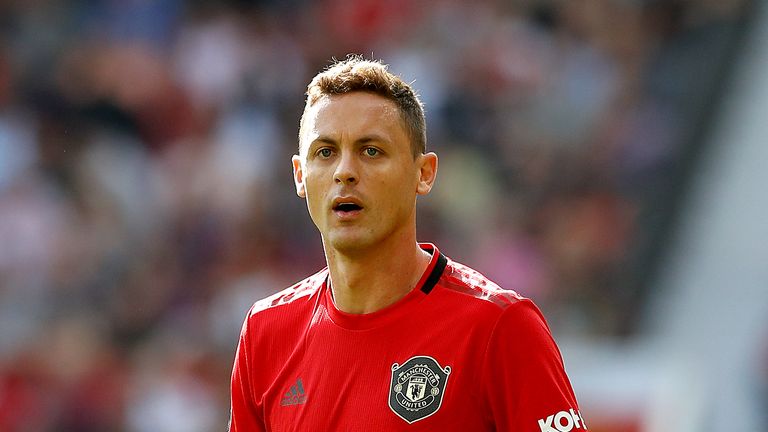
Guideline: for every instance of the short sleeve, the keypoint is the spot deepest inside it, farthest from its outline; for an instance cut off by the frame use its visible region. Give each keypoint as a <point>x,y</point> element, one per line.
<point>523,376</point>
<point>245,414</point>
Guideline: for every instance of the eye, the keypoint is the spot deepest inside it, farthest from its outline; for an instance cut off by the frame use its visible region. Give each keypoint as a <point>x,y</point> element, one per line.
<point>371,151</point>
<point>324,152</point>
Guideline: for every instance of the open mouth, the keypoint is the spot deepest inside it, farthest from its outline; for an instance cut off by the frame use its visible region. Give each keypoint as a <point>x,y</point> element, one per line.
<point>346,207</point>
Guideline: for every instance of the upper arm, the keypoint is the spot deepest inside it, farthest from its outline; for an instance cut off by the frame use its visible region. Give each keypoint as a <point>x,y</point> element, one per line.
<point>245,411</point>
<point>524,377</point>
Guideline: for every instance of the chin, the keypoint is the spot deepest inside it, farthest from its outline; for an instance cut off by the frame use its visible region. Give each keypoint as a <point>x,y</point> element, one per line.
<point>350,244</point>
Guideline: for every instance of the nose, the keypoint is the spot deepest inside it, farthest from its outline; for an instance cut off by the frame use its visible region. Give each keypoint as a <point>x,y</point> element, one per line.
<point>346,170</point>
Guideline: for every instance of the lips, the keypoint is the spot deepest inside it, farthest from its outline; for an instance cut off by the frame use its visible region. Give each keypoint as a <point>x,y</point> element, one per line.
<point>346,207</point>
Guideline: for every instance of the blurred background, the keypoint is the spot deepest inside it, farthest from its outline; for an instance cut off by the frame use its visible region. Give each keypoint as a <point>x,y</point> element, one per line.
<point>602,157</point>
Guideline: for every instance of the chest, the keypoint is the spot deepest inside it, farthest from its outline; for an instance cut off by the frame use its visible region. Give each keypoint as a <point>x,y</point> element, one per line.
<point>410,378</point>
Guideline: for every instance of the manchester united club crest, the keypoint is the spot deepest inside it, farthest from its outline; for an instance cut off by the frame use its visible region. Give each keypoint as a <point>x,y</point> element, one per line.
<point>417,388</point>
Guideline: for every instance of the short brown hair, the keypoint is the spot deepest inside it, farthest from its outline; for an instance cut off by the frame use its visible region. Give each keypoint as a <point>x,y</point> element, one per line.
<point>358,74</point>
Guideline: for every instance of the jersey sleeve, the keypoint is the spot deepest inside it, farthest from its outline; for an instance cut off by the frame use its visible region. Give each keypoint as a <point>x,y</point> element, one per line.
<point>524,378</point>
<point>245,413</point>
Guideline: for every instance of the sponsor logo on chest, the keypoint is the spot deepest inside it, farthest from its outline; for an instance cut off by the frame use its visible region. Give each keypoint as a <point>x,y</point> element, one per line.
<point>417,388</point>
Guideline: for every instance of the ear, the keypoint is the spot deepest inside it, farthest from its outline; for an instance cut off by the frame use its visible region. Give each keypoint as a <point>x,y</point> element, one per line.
<point>298,176</point>
<point>427,164</point>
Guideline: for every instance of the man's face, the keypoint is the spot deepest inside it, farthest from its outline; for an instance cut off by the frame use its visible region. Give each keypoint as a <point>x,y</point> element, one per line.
<point>357,171</point>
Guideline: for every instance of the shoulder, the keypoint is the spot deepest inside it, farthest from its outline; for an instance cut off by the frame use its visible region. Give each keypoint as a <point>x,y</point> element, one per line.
<point>504,313</point>
<point>273,326</point>
<point>293,298</point>
<point>462,280</point>
<point>510,315</point>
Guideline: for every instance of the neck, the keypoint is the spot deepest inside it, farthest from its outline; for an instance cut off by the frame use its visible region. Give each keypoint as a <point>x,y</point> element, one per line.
<point>368,281</point>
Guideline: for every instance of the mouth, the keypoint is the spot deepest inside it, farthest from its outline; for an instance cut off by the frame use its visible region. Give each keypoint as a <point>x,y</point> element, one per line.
<point>346,207</point>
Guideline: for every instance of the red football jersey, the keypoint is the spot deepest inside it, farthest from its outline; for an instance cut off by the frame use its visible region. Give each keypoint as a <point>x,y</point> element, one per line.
<point>457,353</point>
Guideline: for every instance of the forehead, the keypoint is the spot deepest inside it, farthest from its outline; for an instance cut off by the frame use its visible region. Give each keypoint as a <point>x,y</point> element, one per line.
<point>351,115</point>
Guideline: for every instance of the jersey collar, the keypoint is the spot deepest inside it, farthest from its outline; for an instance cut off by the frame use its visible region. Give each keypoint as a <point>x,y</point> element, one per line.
<point>424,286</point>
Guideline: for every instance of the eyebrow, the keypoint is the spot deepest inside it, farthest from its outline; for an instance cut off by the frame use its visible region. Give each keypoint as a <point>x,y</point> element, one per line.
<point>362,140</point>
<point>326,139</point>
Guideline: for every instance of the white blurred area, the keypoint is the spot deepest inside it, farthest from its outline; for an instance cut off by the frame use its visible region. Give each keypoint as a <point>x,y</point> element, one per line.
<point>701,362</point>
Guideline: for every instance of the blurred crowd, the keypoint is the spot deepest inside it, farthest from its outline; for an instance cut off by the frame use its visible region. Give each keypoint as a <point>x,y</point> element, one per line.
<point>146,197</point>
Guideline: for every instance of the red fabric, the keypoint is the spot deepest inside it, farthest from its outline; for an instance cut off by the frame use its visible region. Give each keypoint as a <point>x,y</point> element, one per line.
<point>303,365</point>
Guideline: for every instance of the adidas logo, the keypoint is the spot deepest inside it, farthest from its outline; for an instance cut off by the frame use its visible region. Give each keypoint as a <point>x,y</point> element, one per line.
<point>294,396</point>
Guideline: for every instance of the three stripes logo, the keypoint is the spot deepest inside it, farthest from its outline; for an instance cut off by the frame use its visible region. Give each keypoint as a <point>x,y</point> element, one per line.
<point>294,396</point>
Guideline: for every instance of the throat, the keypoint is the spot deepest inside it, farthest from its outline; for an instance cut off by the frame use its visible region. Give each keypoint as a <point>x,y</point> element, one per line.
<point>362,289</point>
<point>367,300</point>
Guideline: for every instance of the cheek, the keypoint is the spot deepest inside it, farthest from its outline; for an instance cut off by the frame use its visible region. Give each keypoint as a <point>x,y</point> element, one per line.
<point>310,190</point>
<point>311,180</point>
<point>406,181</point>
<point>317,183</point>
<point>401,193</point>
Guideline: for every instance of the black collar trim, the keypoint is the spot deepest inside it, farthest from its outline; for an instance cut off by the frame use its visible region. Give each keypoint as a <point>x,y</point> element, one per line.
<point>434,276</point>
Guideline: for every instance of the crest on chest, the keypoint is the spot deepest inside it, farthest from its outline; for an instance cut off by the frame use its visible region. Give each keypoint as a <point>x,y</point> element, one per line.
<point>417,388</point>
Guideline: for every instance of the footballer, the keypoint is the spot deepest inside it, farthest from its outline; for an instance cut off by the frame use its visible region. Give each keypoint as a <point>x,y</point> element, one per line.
<point>392,335</point>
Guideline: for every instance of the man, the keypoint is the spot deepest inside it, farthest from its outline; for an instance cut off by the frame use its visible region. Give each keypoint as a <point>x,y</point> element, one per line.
<point>392,335</point>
